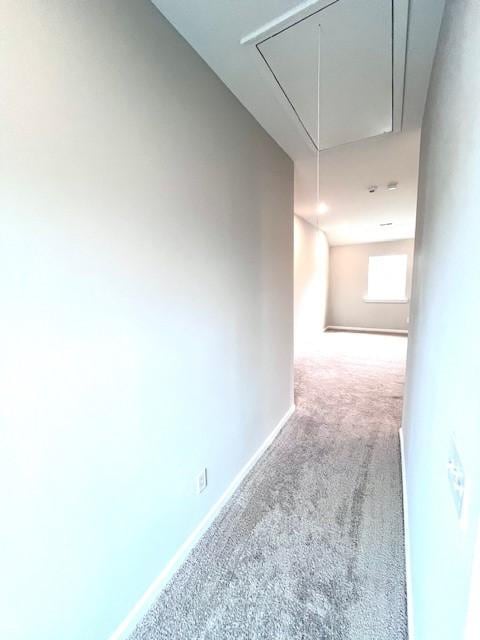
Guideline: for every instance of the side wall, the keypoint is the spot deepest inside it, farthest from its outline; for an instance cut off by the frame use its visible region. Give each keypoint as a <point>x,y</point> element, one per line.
<point>147,317</point>
<point>443,368</point>
<point>349,282</point>
<point>310,283</point>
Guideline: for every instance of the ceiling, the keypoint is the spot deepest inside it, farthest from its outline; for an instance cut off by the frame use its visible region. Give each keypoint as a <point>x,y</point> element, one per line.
<point>348,77</point>
<point>320,61</point>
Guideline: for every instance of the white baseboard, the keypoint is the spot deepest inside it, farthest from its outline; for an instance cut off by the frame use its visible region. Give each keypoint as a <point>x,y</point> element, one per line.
<point>408,568</point>
<point>146,601</point>
<point>400,332</point>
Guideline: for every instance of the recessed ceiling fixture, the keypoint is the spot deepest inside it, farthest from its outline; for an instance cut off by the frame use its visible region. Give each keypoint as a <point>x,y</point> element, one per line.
<point>322,208</point>
<point>391,186</point>
<point>372,188</point>
<point>386,224</point>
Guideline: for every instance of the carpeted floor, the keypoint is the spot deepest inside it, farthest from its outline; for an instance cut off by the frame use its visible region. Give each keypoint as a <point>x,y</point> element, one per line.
<point>311,545</point>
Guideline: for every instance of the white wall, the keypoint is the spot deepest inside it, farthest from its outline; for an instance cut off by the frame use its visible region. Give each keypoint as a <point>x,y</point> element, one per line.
<point>147,317</point>
<point>348,284</point>
<point>310,283</point>
<point>443,370</point>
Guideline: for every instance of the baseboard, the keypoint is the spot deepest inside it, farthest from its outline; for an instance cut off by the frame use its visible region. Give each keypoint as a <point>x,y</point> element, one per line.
<point>400,332</point>
<point>146,601</point>
<point>408,568</point>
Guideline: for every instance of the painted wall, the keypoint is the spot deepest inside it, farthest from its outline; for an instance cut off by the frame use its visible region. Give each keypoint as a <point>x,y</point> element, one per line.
<point>348,284</point>
<point>310,283</point>
<point>146,267</point>
<point>443,369</point>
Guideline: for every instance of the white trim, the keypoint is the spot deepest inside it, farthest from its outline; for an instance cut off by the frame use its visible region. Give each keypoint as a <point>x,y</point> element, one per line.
<point>333,327</point>
<point>472,626</point>
<point>151,594</point>
<point>408,566</point>
<point>386,301</point>
<point>262,31</point>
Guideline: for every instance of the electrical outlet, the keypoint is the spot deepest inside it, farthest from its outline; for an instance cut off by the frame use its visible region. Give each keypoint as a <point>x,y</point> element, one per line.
<point>456,477</point>
<point>202,481</point>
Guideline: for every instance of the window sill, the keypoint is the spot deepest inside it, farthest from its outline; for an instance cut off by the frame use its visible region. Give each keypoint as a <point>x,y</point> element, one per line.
<point>385,301</point>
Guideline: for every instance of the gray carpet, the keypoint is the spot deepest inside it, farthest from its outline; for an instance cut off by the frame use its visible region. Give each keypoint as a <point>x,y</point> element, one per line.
<point>311,545</point>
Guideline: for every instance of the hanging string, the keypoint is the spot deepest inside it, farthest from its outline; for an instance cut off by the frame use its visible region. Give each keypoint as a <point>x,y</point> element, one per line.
<point>319,75</point>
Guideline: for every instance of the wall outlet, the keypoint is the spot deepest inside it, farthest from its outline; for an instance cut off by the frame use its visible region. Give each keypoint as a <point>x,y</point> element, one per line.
<point>202,481</point>
<point>456,477</point>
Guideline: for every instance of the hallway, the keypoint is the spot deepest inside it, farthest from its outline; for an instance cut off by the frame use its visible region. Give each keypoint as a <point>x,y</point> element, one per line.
<point>311,545</point>
<point>220,222</point>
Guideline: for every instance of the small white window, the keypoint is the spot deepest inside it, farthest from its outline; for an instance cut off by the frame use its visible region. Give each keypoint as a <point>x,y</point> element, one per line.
<point>387,279</point>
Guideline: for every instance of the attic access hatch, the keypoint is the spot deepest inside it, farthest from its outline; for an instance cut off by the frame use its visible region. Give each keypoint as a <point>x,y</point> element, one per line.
<point>361,46</point>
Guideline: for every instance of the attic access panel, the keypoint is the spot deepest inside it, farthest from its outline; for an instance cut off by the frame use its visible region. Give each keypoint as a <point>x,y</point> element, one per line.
<point>355,41</point>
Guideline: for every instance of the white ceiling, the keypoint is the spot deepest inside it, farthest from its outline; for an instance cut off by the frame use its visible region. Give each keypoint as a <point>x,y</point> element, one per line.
<point>363,88</point>
<point>324,59</point>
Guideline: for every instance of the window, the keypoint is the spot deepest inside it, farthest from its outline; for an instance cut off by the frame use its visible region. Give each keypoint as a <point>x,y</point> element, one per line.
<point>387,279</point>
